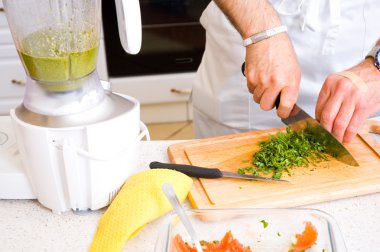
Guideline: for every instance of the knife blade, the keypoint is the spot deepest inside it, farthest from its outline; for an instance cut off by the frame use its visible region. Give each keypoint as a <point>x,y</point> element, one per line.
<point>211,173</point>
<point>299,120</point>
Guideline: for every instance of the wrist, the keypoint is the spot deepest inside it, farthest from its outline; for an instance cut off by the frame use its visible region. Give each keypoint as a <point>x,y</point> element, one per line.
<point>266,22</point>
<point>260,36</point>
<point>269,20</point>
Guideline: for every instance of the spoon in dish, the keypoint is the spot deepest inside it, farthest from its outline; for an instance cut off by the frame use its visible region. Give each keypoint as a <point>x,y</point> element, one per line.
<point>174,201</point>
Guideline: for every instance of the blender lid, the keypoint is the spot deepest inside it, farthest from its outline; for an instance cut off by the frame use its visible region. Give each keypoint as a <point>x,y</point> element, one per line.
<point>112,105</point>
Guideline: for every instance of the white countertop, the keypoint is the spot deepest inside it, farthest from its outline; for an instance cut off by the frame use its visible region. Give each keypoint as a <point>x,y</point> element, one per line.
<point>25,225</point>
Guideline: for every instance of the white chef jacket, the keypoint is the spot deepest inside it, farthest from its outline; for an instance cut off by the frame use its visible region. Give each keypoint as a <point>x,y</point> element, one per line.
<point>328,36</point>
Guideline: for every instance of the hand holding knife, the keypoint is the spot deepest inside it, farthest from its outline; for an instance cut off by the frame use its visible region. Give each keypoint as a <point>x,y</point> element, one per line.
<point>299,120</point>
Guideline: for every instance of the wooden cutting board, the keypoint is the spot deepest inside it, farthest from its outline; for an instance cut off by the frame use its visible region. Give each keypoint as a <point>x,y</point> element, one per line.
<point>329,180</point>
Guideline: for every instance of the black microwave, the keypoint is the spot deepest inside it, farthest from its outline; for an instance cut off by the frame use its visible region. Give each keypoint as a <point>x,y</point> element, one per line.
<point>173,40</point>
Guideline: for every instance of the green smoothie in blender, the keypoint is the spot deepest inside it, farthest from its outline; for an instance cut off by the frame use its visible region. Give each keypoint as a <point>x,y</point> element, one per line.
<point>56,63</point>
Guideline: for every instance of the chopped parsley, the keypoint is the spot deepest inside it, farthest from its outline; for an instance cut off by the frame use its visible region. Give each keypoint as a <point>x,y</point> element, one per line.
<point>203,242</point>
<point>284,151</point>
<point>265,224</point>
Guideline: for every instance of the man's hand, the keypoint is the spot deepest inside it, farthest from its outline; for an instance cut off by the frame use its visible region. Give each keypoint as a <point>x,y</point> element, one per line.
<point>342,106</point>
<point>272,69</point>
<point>271,64</point>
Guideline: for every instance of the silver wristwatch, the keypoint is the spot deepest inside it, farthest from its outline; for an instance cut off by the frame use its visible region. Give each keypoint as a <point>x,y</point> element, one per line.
<point>375,54</point>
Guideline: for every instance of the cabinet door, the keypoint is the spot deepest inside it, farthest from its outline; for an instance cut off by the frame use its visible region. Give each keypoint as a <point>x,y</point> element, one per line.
<point>8,52</point>
<point>165,88</point>
<point>12,78</point>
<point>3,19</point>
<point>5,33</point>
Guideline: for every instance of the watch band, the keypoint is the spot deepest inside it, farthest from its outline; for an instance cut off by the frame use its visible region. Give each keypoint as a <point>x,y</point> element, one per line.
<point>255,38</point>
<point>375,54</point>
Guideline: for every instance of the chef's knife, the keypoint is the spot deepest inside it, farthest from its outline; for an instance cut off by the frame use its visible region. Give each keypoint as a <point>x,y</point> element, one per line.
<point>211,173</point>
<point>299,120</point>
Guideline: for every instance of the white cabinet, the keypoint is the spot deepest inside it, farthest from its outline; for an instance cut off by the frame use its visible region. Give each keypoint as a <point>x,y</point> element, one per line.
<point>163,98</point>
<point>156,88</point>
<point>12,74</point>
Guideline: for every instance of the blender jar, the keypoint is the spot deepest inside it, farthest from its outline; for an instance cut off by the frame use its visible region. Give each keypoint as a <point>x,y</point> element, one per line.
<point>57,40</point>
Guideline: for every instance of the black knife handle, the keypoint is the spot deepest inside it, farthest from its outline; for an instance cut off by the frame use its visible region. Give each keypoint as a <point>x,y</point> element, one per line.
<point>190,170</point>
<point>277,101</point>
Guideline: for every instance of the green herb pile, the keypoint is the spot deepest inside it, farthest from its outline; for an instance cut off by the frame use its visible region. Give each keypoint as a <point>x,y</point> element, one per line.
<point>284,151</point>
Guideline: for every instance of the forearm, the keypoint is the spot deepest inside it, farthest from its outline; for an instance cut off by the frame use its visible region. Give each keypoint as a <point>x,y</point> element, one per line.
<point>249,16</point>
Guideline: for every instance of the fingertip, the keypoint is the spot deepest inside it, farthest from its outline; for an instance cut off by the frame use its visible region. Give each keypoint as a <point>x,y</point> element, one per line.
<point>283,112</point>
<point>317,113</point>
<point>266,102</point>
<point>339,138</point>
<point>347,140</point>
<point>264,106</point>
<point>348,137</point>
<point>337,133</point>
<point>285,109</point>
<point>352,130</point>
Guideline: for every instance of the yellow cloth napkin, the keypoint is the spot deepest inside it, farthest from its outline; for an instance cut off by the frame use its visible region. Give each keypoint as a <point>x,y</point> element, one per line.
<point>139,201</point>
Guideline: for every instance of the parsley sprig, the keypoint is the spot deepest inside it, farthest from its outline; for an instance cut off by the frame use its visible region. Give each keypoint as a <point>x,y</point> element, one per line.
<point>284,151</point>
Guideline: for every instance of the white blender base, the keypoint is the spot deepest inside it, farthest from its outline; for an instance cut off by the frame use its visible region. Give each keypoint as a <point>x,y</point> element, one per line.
<point>13,181</point>
<point>80,167</point>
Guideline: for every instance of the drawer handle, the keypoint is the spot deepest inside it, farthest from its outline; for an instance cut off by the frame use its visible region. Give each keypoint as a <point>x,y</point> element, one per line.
<point>18,82</point>
<point>185,91</point>
<point>2,10</point>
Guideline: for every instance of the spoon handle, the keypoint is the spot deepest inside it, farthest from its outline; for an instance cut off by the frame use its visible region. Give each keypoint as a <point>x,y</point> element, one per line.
<point>173,199</point>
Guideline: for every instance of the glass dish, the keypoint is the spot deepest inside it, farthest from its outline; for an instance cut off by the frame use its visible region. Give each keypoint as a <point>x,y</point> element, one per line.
<point>260,229</point>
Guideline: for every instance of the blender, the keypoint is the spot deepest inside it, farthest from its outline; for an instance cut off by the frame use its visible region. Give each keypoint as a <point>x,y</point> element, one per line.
<point>78,141</point>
